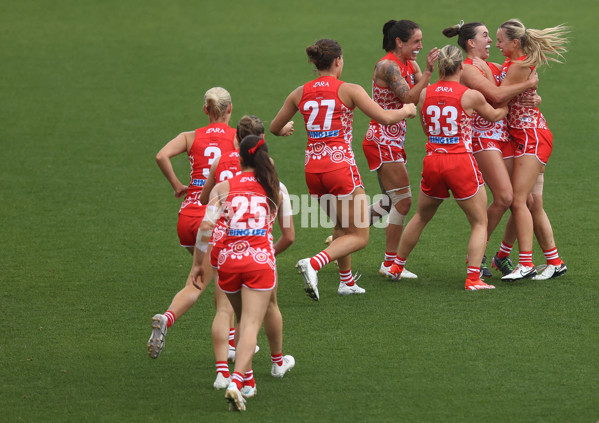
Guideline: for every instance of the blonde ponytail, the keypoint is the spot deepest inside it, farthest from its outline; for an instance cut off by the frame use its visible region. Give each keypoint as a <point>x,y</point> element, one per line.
<point>540,45</point>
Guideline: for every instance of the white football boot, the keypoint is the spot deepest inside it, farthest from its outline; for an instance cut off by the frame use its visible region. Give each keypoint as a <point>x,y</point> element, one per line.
<point>310,276</point>
<point>156,341</point>
<point>550,271</point>
<point>279,371</point>
<point>520,272</point>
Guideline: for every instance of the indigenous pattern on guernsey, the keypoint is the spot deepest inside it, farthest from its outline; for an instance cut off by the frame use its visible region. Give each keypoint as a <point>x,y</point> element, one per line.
<point>328,125</point>
<point>336,154</point>
<point>242,250</point>
<point>219,232</point>
<point>482,128</point>
<point>247,241</point>
<point>387,134</point>
<point>394,134</point>
<point>522,117</point>
<point>336,151</point>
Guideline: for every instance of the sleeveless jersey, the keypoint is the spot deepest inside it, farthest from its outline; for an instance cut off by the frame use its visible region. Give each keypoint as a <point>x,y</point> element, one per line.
<point>482,128</point>
<point>247,245</point>
<point>228,167</point>
<point>209,143</point>
<point>328,124</point>
<point>446,124</point>
<point>394,134</point>
<point>521,117</point>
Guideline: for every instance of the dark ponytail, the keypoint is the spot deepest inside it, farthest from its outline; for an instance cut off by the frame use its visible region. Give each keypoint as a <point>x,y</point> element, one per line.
<point>397,29</point>
<point>254,153</point>
<point>464,32</point>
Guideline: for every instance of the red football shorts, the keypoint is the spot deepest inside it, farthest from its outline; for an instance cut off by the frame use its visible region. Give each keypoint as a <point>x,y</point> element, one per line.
<point>187,229</point>
<point>339,182</point>
<point>484,144</point>
<point>377,154</point>
<point>532,141</point>
<point>257,280</point>
<point>456,172</point>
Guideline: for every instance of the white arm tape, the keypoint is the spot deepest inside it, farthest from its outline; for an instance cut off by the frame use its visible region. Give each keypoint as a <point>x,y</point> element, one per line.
<point>212,213</point>
<point>286,209</point>
<point>203,245</point>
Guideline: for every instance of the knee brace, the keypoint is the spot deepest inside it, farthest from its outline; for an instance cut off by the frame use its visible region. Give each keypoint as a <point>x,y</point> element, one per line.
<point>395,217</point>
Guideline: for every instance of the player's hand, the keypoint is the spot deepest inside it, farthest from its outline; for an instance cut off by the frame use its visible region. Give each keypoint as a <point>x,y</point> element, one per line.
<point>534,79</point>
<point>410,109</point>
<point>287,129</point>
<point>483,66</point>
<point>431,58</point>
<point>197,276</point>
<point>181,192</point>
<point>530,100</point>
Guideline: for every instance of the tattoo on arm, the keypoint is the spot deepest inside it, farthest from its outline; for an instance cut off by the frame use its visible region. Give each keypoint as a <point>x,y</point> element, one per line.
<point>391,74</point>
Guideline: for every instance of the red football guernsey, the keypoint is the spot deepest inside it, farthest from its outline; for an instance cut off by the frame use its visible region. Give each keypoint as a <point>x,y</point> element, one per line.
<point>396,133</point>
<point>210,142</point>
<point>482,128</point>
<point>228,166</point>
<point>519,116</point>
<point>328,124</point>
<point>446,124</point>
<point>247,245</point>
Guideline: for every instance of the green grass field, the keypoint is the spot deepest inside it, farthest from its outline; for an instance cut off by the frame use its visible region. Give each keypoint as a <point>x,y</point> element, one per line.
<point>89,251</point>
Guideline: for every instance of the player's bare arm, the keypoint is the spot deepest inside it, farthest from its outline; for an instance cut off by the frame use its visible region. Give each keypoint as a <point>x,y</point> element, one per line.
<point>282,125</point>
<point>389,72</point>
<point>478,103</point>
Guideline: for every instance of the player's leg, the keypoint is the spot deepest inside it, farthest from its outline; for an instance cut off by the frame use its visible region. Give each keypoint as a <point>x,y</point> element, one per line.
<point>524,176</point>
<point>273,327</point>
<point>350,234</point>
<point>426,209</point>
<point>182,302</point>
<point>475,210</point>
<point>394,177</point>
<point>544,233</point>
<point>221,325</point>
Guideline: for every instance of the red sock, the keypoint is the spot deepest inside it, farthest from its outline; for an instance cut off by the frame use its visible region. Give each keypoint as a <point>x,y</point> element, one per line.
<point>525,258</point>
<point>232,337</point>
<point>401,263</point>
<point>346,277</point>
<point>504,250</point>
<point>389,258</point>
<point>473,273</point>
<point>248,379</point>
<point>223,367</point>
<point>320,260</point>
<point>170,317</point>
<point>277,359</point>
<point>552,256</point>
<point>237,378</point>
